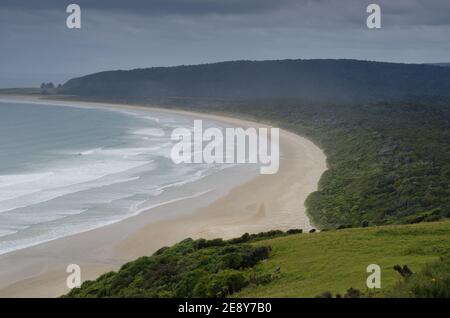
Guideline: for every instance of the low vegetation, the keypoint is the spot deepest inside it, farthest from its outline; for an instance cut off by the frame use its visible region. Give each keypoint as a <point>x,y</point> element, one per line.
<point>433,281</point>
<point>276,264</point>
<point>199,268</point>
<point>335,262</point>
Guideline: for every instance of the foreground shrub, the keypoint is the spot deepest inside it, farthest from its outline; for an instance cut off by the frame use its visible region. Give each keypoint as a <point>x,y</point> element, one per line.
<point>432,282</point>
<point>200,268</point>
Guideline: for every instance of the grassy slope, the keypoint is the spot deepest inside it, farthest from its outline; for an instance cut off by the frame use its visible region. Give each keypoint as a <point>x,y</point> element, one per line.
<point>311,264</point>
<point>337,260</point>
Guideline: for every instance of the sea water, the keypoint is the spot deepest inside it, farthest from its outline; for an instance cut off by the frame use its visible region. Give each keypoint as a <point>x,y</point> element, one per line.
<point>65,170</point>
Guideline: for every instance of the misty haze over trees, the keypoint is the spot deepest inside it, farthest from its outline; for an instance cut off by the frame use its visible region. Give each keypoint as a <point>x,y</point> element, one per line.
<point>310,80</point>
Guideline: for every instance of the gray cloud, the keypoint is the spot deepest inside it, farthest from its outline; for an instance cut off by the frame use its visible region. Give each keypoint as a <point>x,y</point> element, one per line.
<point>127,34</point>
<point>158,7</point>
<point>399,11</point>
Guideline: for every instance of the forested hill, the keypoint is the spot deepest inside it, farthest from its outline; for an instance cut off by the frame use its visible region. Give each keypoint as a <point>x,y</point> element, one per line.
<point>310,80</point>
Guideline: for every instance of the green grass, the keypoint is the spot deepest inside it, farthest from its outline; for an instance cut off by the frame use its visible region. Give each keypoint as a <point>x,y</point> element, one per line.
<point>431,282</point>
<point>336,260</point>
<point>200,268</point>
<point>309,265</point>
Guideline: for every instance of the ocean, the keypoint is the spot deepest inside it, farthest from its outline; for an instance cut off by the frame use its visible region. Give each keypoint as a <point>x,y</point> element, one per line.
<point>66,170</point>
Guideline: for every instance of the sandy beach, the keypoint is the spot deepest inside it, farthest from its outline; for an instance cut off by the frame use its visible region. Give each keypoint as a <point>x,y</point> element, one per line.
<point>265,202</point>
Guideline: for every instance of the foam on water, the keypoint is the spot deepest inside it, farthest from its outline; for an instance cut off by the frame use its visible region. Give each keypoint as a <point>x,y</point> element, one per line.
<point>76,169</point>
<point>155,132</point>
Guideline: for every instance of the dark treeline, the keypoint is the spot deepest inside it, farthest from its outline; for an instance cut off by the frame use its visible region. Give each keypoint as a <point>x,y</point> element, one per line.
<point>442,64</point>
<point>311,80</point>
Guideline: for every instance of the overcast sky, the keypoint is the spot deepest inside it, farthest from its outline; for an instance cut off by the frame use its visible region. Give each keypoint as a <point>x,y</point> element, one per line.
<point>37,46</point>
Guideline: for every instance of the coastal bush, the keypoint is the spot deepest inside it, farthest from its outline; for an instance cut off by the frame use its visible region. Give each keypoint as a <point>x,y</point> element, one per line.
<point>387,161</point>
<point>200,268</point>
<point>221,284</point>
<point>263,235</point>
<point>299,266</point>
<point>202,243</point>
<point>432,282</point>
<point>294,231</point>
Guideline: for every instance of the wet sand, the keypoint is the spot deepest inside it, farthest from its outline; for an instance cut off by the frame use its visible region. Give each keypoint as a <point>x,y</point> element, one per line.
<point>238,205</point>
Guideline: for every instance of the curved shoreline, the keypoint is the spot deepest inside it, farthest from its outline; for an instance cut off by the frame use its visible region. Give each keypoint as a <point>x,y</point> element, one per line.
<point>264,203</point>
